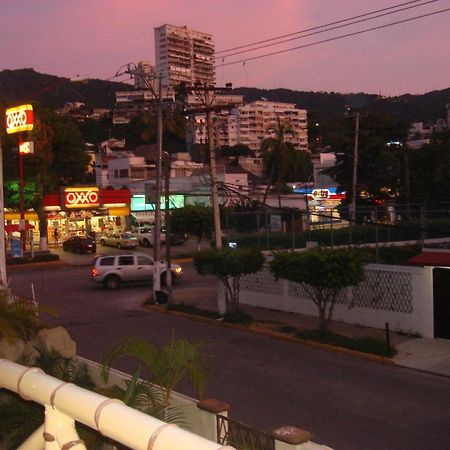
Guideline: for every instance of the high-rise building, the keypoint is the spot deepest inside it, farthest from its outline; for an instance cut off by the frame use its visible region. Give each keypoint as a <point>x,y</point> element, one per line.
<point>183,55</point>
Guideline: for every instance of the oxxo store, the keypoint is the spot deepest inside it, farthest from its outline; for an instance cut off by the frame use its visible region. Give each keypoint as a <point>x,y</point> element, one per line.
<point>86,210</point>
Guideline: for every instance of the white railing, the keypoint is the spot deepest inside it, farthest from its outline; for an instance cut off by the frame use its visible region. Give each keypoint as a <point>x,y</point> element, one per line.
<point>66,403</point>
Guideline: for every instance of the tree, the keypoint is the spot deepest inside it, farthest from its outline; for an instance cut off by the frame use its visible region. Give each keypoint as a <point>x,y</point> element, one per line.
<point>192,219</point>
<point>174,363</point>
<point>282,162</point>
<point>379,168</point>
<point>324,273</point>
<point>229,265</point>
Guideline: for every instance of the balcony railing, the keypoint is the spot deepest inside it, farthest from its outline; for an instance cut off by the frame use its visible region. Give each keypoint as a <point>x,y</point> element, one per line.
<point>66,403</point>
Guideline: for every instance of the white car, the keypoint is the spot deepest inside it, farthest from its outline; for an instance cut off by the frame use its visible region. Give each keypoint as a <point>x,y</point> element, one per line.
<point>113,270</point>
<point>120,240</point>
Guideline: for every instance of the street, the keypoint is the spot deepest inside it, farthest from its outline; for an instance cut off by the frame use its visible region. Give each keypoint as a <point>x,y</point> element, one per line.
<point>347,403</point>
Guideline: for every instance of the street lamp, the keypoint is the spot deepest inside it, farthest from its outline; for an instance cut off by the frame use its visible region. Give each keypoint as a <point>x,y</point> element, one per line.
<point>18,119</point>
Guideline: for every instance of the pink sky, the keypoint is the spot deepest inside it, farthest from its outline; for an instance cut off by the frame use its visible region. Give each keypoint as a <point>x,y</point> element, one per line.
<point>93,38</point>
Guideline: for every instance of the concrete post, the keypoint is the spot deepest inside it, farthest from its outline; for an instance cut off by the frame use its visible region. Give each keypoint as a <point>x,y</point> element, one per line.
<point>293,438</point>
<point>209,408</point>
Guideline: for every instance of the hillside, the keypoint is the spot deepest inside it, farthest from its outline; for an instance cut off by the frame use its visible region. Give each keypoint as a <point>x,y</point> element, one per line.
<point>26,85</point>
<point>429,106</point>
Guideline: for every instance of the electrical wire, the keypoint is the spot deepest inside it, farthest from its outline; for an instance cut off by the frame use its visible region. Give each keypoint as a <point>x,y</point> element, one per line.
<point>325,30</point>
<point>379,27</point>
<point>318,27</point>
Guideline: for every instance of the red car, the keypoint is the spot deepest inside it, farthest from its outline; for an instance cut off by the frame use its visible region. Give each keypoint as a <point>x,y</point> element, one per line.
<point>79,244</point>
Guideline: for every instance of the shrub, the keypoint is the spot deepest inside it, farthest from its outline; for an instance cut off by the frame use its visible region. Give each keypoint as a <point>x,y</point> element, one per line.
<point>239,317</point>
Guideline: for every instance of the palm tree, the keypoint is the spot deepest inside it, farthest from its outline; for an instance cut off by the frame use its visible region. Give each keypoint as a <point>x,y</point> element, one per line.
<point>176,362</point>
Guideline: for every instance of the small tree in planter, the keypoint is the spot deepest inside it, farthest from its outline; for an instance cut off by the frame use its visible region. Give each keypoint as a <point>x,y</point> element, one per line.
<point>324,273</point>
<point>229,265</point>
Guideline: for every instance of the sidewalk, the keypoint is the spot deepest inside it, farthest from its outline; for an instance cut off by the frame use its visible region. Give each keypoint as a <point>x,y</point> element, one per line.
<point>430,355</point>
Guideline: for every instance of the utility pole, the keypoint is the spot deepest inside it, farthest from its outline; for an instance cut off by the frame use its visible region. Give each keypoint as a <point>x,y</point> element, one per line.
<point>168,226</point>
<point>3,280</point>
<point>352,210</point>
<point>206,96</point>
<point>355,169</point>
<point>133,71</point>
<point>213,172</point>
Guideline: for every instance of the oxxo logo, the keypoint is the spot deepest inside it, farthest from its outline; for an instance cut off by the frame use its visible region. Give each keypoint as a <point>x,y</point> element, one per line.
<point>81,198</point>
<point>19,118</point>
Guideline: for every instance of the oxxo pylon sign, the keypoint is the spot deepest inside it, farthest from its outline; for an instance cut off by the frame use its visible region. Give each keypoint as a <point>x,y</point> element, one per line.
<point>81,198</point>
<point>19,118</point>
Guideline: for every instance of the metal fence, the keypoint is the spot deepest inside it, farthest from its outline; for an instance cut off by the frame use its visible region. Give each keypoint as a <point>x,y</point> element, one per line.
<point>242,436</point>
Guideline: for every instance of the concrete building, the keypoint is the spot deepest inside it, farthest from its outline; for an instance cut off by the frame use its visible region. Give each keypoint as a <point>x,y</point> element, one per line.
<point>251,123</point>
<point>183,55</point>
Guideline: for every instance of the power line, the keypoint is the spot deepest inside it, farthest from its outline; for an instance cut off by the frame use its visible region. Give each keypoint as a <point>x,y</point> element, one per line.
<point>325,30</point>
<point>316,27</point>
<point>334,38</point>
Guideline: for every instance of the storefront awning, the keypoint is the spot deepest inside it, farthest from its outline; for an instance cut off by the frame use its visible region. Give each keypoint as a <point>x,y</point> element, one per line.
<point>431,257</point>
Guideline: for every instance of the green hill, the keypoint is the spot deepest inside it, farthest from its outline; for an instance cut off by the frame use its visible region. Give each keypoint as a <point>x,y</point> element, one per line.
<point>426,107</point>
<point>26,85</point>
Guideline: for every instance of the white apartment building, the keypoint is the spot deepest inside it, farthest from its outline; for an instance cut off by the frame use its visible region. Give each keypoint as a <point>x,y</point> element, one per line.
<point>183,55</point>
<point>261,119</point>
<point>251,123</point>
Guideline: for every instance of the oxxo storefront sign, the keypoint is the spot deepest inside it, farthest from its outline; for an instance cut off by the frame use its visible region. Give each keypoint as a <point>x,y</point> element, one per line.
<point>19,118</point>
<point>81,198</point>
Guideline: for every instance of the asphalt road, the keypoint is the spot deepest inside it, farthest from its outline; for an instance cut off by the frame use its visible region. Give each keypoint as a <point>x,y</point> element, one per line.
<point>347,403</point>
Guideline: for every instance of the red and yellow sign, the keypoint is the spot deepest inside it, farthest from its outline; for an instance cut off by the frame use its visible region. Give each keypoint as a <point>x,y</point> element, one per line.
<point>19,118</point>
<point>81,198</point>
<point>26,147</point>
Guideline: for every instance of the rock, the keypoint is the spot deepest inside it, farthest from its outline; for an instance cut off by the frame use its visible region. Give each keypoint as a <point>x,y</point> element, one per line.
<point>59,340</point>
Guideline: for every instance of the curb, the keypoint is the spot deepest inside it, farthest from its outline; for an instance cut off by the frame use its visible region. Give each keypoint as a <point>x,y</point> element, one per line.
<point>160,309</point>
<point>16,267</point>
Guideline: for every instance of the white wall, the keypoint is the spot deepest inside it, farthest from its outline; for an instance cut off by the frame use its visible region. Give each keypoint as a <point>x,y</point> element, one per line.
<point>399,295</point>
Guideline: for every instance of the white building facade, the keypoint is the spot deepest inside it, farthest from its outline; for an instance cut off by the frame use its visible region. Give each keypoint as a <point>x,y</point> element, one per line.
<point>183,55</point>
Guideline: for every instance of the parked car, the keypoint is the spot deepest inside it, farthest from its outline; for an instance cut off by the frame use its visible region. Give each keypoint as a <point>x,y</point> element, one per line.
<point>145,236</point>
<point>113,270</point>
<point>120,240</point>
<point>79,244</point>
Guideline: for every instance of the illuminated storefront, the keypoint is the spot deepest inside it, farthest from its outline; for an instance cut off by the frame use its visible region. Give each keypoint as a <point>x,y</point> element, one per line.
<point>144,211</point>
<point>86,210</point>
<point>322,204</point>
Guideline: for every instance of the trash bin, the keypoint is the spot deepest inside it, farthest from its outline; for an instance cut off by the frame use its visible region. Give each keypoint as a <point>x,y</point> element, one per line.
<point>161,297</point>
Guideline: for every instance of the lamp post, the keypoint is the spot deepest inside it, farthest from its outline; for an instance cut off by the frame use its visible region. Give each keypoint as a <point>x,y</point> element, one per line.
<point>18,119</point>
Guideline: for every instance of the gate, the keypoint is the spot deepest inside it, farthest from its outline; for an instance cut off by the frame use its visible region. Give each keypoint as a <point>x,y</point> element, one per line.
<point>242,436</point>
<point>441,293</point>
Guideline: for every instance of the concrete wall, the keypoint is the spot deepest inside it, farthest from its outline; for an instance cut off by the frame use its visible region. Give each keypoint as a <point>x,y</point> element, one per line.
<point>399,295</point>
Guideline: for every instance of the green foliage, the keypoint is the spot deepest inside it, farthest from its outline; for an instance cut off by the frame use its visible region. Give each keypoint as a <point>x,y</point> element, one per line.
<point>366,344</point>
<point>228,262</point>
<point>174,363</point>
<point>192,219</point>
<point>19,318</point>
<point>229,265</point>
<point>323,272</point>
<point>239,317</point>
<point>321,268</point>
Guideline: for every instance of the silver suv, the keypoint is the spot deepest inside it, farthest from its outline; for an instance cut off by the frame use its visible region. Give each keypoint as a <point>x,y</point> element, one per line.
<point>113,270</point>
